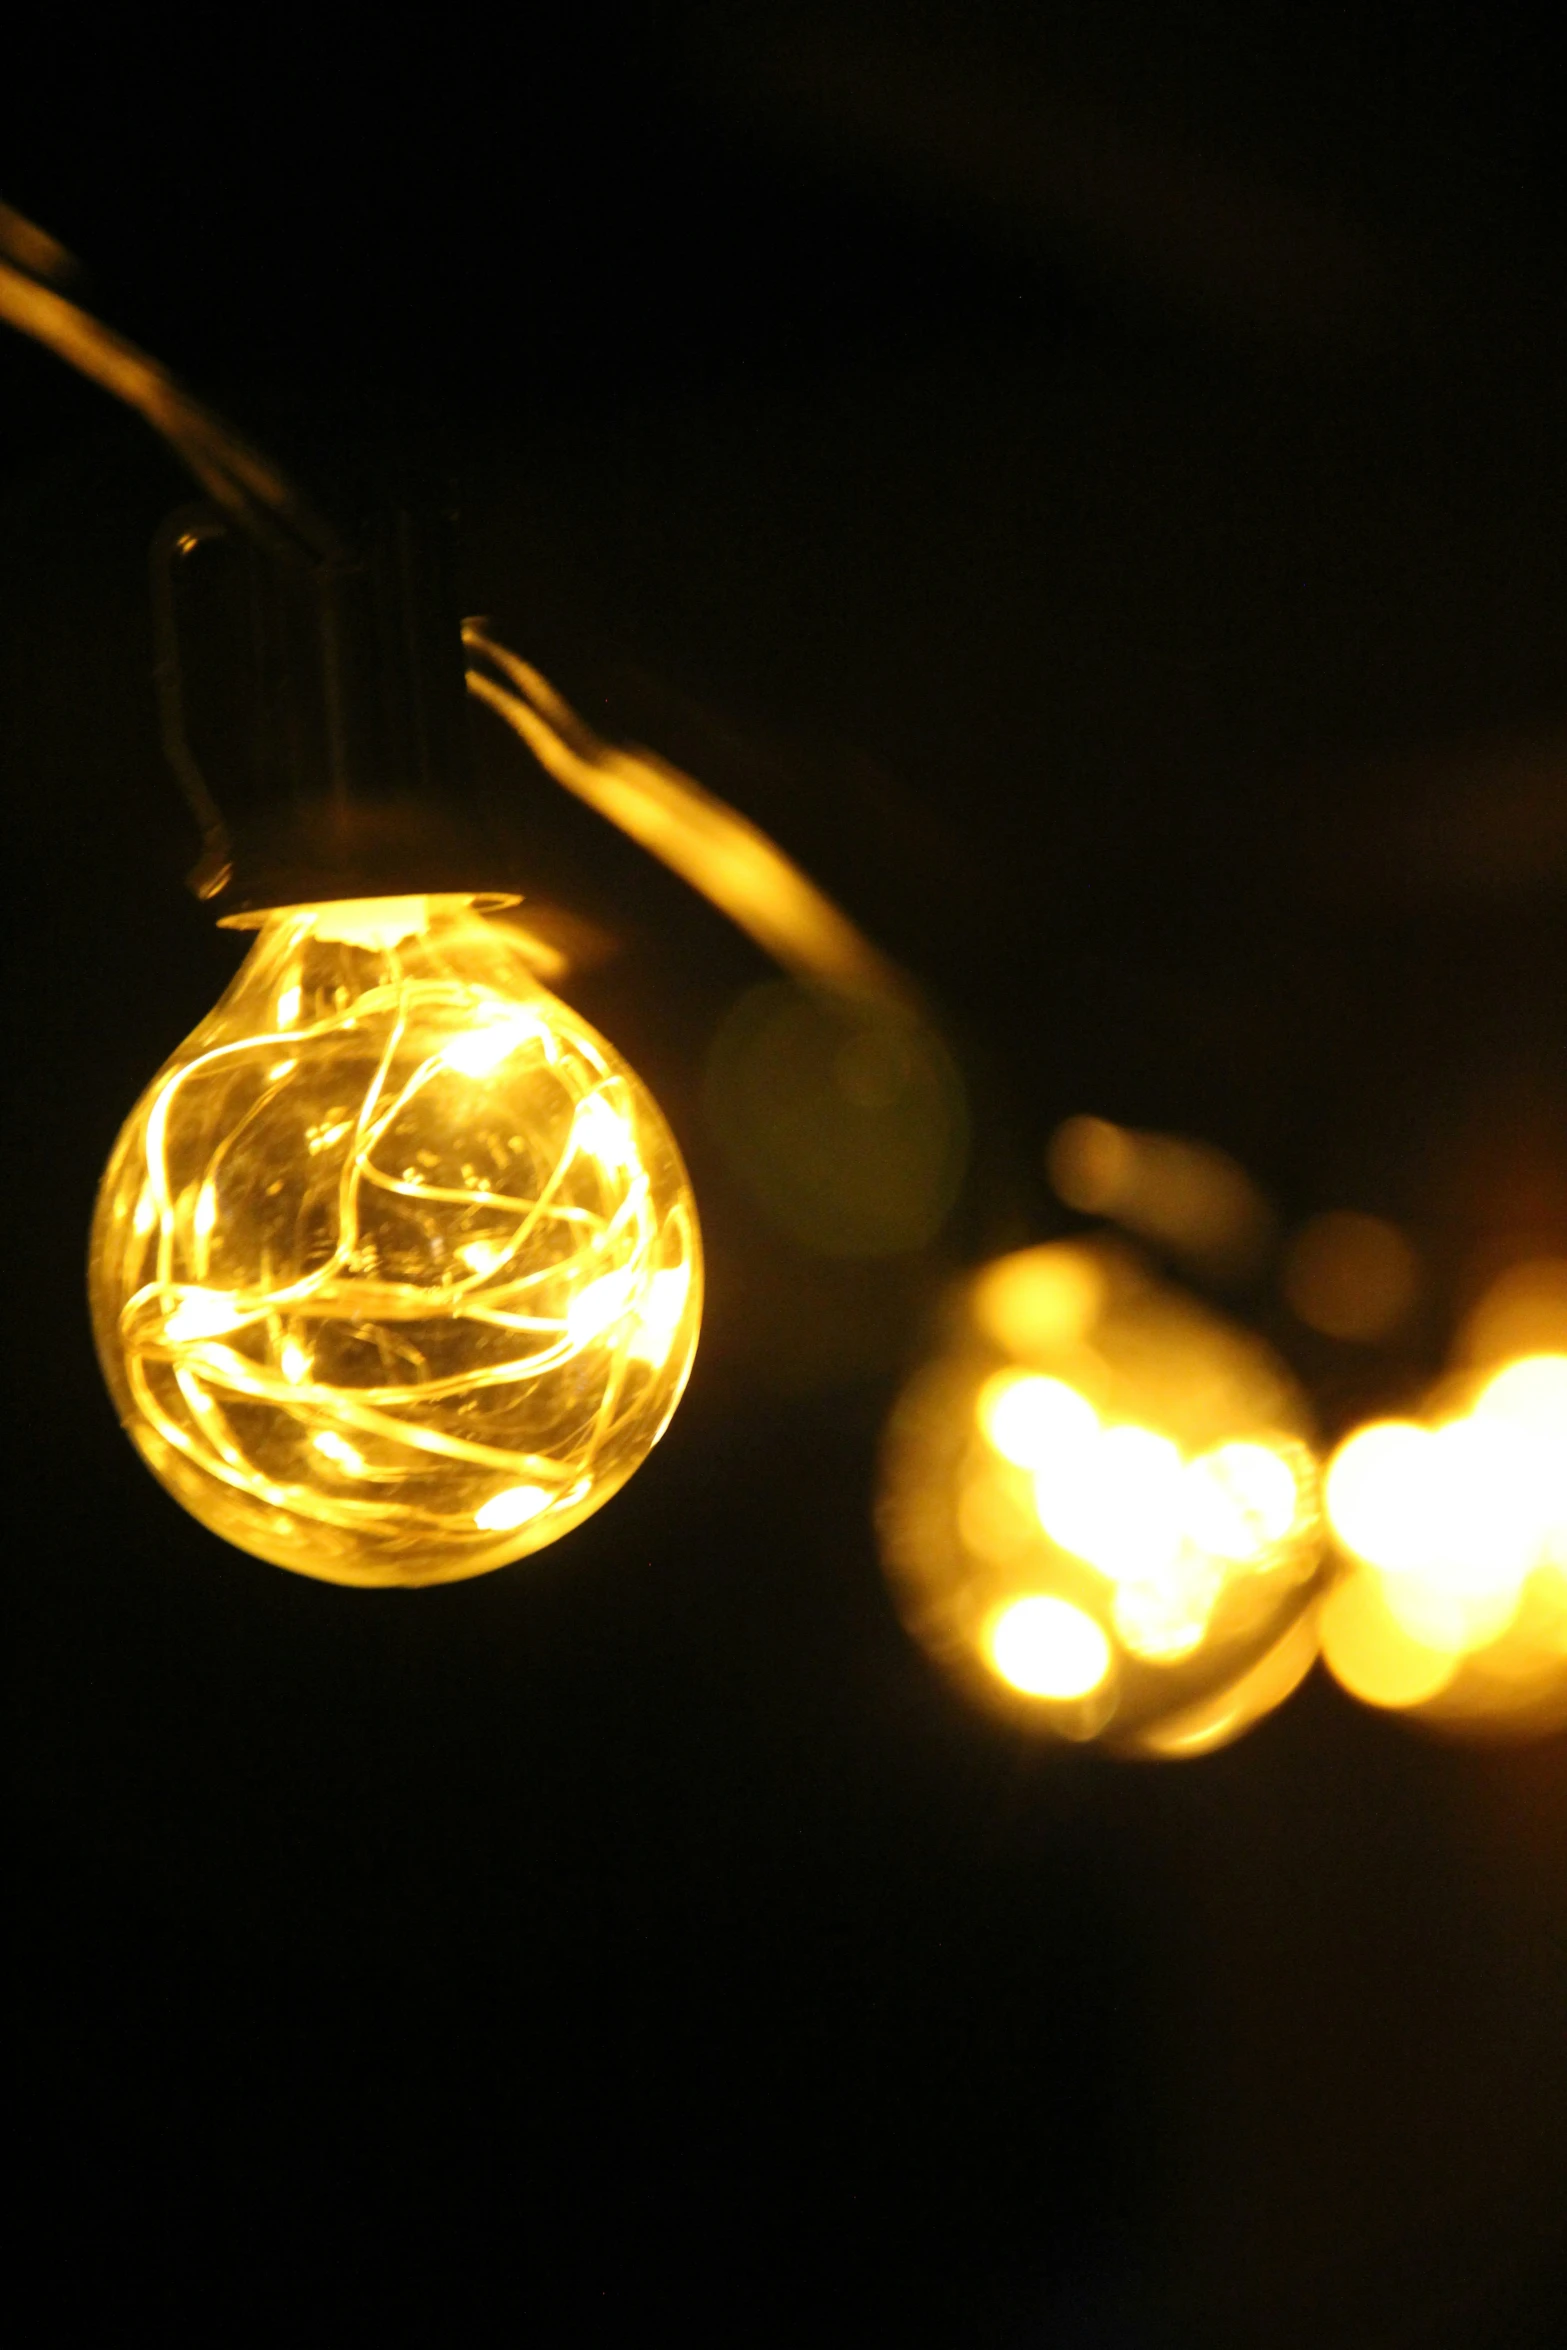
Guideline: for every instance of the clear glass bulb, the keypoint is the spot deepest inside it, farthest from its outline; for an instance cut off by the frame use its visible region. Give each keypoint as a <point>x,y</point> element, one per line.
<point>395,1270</point>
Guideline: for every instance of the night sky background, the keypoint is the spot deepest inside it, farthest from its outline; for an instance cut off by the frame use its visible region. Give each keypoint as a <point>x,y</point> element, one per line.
<point>1092,482</point>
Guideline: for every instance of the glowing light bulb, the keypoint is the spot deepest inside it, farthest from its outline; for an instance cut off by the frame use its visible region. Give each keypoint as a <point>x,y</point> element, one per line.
<point>1097,1508</point>
<point>417,1299</point>
<point>1452,1601</point>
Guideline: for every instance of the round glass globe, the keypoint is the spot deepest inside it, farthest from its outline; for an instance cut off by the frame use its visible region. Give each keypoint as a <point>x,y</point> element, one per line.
<point>395,1270</point>
<point>1099,1510</point>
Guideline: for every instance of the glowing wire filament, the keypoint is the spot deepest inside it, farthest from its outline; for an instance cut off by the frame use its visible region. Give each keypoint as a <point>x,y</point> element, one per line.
<point>416,1300</point>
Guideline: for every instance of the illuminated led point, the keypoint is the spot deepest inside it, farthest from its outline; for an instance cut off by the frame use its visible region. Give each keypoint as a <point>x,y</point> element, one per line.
<point>1240,1501</point>
<point>512,1508</point>
<point>293,1362</point>
<point>1032,1421</point>
<point>482,1256</point>
<point>1161,1618</point>
<point>659,1315</point>
<point>201,1313</point>
<point>1116,1502</point>
<point>1048,1648</point>
<point>482,1049</point>
<point>600,1306</point>
<point>337,1448</point>
<point>601,1130</point>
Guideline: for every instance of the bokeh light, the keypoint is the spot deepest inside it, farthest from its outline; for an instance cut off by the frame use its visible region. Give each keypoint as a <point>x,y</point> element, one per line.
<point>1185,1196</point>
<point>1452,1530</point>
<point>1351,1276</point>
<point>1049,1648</point>
<point>1099,1509</point>
<point>845,1118</point>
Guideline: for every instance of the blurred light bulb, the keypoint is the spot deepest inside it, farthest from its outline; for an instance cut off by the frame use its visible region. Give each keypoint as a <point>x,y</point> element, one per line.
<point>415,1298</point>
<point>1097,1502</point>
<point>1453,1597</point>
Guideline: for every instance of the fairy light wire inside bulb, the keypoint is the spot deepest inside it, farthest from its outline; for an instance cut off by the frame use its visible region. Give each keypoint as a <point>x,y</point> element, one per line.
<point>429,1287</point>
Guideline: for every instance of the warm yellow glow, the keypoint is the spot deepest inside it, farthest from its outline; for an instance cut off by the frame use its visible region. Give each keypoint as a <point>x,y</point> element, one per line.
<point>1374,1655</point>
<point>200,1313</point>
<point>337,1448</point>
<point>481,1049</point>
<point>605,1132</point>
<point>1450,1517</point>
<point>1239,1501</point>
<point>1381,1495</point>
<point>996,1518</point>
<point>515,1507</point>
<point>1531,1394</point>
<point>1529,1397</point>
<point>600,1306</point>
<point>1116,1502</point>
<point>418,1298</point>
<point>1523,1313</point>
<point>1033,1421</point>
<point>374,923</point>
<point>659,1315</point>
<point>1459,1603</point>
<point>1488,1487</point>
<point>482,1255</point>
<point>1165,1615</point>
<point>1047,1648</point>
<point>1040,1298</point>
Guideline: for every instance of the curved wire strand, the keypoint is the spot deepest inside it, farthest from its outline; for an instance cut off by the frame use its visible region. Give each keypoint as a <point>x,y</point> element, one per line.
<point>734,864</point>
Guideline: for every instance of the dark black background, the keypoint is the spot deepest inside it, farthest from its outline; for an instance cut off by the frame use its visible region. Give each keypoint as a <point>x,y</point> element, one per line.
<point>1092,482</point>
